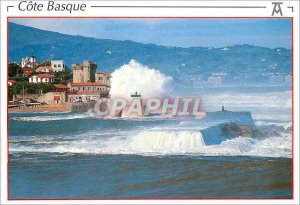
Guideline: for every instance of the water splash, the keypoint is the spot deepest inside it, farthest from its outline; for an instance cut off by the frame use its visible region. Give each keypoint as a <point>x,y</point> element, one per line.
<point>165,142</point>
<point>135,77</point>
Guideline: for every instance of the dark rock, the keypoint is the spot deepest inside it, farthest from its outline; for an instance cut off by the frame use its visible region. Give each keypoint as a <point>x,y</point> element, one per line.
<point>233,130</point>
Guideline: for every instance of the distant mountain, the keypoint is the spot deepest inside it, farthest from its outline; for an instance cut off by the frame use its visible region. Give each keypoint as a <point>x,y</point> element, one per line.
<point>174,61</point>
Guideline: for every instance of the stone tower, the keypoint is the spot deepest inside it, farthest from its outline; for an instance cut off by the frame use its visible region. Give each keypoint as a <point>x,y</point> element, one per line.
<point>85,72</point>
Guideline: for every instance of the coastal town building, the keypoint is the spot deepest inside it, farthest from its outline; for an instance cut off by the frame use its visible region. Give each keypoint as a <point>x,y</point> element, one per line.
<point>52,66</point>
<point>41,78</point>
<point>88,87</point>
<point>28,62</point>
<point>44,69</point>
<point>61,87</point>
<point>53,97</point>
<point>85,72</point>
<point>57,65</point>
<point>103,77</point>
<point>75,97</point>
<point>27,71</point>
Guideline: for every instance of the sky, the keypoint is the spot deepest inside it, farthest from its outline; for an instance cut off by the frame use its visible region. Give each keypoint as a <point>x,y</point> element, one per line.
<point>200,32</point>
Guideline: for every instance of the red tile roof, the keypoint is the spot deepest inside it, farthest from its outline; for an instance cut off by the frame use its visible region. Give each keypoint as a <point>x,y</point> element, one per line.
<point>57,91</point>
<point>27,68</point>
<point>27,73</point>
<point>44,75</point>
<point>103,73</point>
<point>87,84</point>
<point>61,86</point>
<point>40,68</point>
<point>85,93</point>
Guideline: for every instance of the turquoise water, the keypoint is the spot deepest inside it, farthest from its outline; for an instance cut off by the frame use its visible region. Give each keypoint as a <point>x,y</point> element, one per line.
<point>123,176</point>
<point>86,157</point>
<point>69,155</point>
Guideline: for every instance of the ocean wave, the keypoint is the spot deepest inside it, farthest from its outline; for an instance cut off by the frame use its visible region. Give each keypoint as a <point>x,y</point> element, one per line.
<point>271,122</point>
<point>169,142</point>
<point>43,118</point>
<point>244,100</point>
<point>284,117</point>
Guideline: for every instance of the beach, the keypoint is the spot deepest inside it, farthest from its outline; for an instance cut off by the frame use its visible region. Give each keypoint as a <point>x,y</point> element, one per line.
<point>44,108</point>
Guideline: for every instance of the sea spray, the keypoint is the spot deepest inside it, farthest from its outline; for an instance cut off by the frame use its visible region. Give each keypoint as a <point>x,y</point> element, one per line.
<point>167,142</point>
<point>164,142</point>
<point>135,77</point>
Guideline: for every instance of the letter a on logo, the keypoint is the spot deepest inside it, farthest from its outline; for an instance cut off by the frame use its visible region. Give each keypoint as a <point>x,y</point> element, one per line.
<point>277,8</point>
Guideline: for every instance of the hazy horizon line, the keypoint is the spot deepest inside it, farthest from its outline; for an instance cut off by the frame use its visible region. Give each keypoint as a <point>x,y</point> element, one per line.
<point>148,43</point>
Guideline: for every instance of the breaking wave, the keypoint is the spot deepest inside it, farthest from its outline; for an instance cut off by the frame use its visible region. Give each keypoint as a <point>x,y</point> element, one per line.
<point>167,141</point>
<point>135,77</point>
<point>154,142</point>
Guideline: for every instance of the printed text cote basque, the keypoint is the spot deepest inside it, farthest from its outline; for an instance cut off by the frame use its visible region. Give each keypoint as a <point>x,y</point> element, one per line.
<point>51,6</point>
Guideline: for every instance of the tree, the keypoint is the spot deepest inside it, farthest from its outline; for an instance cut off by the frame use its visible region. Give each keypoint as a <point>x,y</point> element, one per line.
<point>14,70</point>
<point>63,76</point>
<point>29,88</point>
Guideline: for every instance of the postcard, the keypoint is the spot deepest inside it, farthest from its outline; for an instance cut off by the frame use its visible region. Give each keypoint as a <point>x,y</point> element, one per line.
<point>149,102</point>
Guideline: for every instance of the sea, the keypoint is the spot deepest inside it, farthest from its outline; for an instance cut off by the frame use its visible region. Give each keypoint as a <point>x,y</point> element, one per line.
<point>81,156</point>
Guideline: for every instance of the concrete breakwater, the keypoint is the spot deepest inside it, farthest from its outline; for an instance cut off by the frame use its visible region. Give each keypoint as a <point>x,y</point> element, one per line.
<point>228,124</point>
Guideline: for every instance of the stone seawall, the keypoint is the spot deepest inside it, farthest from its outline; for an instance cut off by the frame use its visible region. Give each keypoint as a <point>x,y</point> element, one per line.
<point>82,107</point>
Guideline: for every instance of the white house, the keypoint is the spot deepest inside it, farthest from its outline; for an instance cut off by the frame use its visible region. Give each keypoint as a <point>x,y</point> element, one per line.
<point>57,65</point>
<point>28,62</point>
<point>44,69</point>
<point>41,78</point>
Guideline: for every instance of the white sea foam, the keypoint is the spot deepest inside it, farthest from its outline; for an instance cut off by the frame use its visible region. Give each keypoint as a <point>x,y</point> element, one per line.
<point>54,117</point>
<point>167,141</point>
<point>266,123</point>
<point>248,101</point>
<point>170,142</point>
<point>135,77</point>
<point>284,117</point>
<point>241,146</point>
